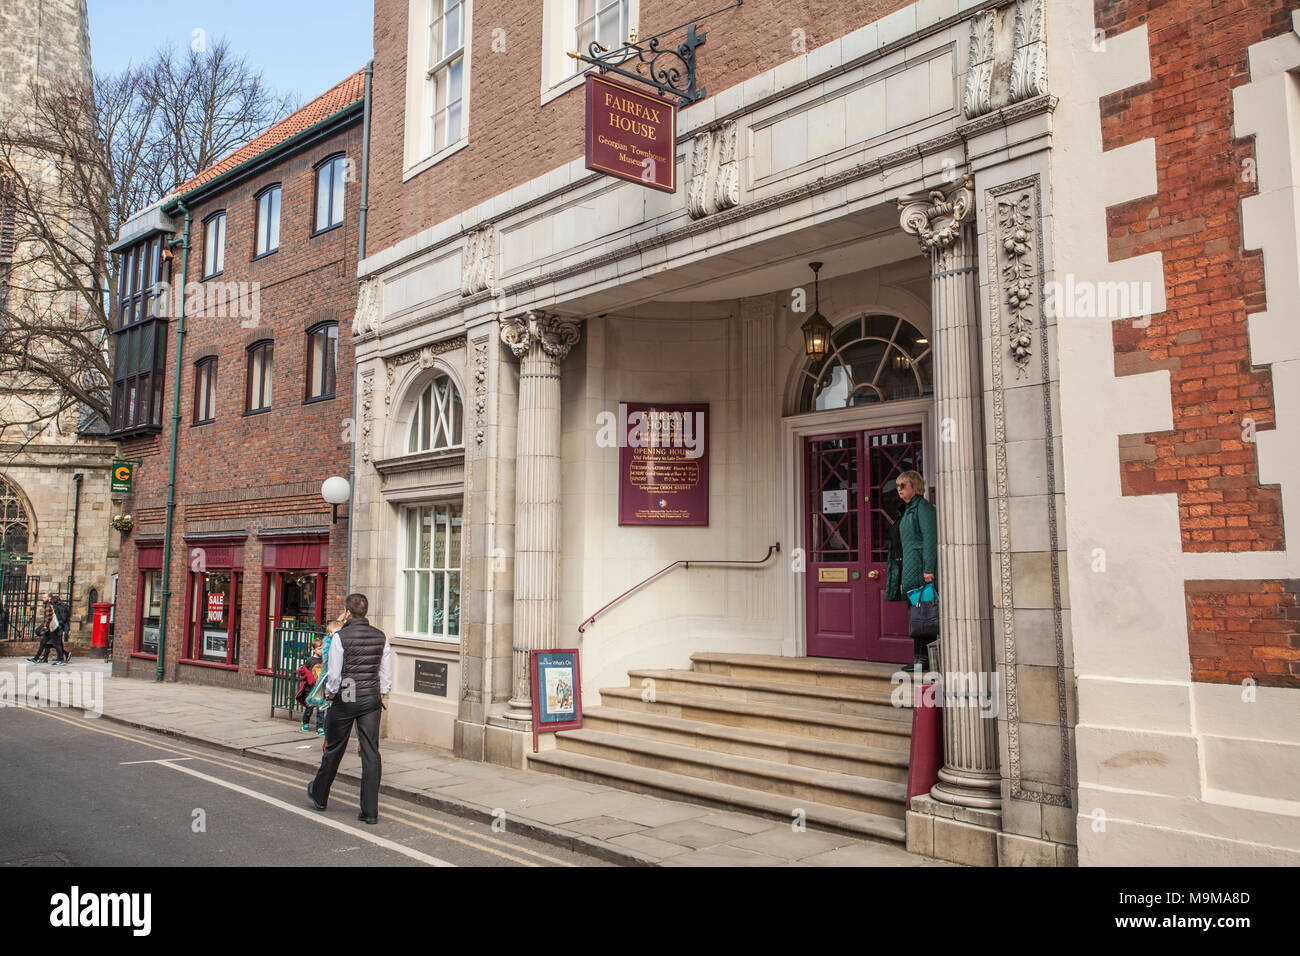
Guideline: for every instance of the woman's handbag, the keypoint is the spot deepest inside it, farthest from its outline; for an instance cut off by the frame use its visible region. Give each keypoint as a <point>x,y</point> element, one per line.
<point>923,615</point>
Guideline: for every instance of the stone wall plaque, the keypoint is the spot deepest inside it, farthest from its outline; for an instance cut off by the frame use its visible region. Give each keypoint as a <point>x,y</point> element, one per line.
<point>431,678</point>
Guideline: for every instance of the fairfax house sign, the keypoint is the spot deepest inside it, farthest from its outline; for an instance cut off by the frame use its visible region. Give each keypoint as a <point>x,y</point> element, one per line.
<point>631,134</point>
<point>663,465</point>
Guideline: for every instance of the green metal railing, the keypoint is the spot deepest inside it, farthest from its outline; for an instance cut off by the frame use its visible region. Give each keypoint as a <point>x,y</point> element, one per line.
<point>292,646</point>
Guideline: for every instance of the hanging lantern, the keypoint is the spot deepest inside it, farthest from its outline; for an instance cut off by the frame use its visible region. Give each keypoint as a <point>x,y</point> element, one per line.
<point>816,331</point>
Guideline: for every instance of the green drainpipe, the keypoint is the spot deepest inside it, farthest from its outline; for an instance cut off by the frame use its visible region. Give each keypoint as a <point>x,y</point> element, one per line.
<point>176,428</point>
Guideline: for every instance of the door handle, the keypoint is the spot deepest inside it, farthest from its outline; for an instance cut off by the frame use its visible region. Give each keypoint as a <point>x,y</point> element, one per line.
<point>873,574</point>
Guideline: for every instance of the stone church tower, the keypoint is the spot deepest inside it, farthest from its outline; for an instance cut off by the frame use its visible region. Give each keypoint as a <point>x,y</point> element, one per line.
<point>54,480</point>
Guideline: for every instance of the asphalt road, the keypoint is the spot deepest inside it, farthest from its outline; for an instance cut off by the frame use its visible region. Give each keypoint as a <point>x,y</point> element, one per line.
<point>86,792</point>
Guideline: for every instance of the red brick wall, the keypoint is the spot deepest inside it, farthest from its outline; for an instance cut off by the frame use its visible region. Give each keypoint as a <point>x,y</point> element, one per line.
<point>512,138</point>
<point>263,471</point>
<point>1198,56</point>
<point>1244,629</point>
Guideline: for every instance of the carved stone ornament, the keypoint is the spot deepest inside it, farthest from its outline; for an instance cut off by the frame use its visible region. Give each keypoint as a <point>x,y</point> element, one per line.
<point>1029,62</point>
<point>424,355</point>
<point>553,334</point>
<point>1016,235</point>
<point>367,415</point>
<point>478,263</point>
<point>366,320</point>
<point>480,389</point>
<point>715,172</point>
<point>937,218</point>
<point>977,97</point>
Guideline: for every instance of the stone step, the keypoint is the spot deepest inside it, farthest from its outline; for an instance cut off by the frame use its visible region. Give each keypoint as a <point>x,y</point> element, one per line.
<point>755,690</point>
<point>714,793</point>
<point>845,728</point>
<point>821,671</point>
<point>865,794</point>
<point>880,762</point>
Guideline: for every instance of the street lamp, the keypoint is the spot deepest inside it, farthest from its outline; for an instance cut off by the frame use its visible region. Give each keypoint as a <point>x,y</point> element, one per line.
<point>335,491</point>
<point>816,331</point>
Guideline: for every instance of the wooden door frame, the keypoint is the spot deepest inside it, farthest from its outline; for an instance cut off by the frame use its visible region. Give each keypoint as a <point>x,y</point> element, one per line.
<point>794,430</point>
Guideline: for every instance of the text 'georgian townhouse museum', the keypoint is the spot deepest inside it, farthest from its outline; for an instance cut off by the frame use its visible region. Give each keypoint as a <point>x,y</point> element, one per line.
<point>608,329</point>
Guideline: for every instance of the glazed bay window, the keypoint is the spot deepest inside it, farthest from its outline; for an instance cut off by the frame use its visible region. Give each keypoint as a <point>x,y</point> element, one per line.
<point>214,245</point>
<point>431,571</point>
<point>268,221</point>
<point>214,616</point>
<point>445,74</point>
<point>436,422</point>
<point>258,395</point>
<point>139,339</point>
<point>330,178</point>
<point>205,390</point>
<point>322,360</point>
<point>150,611</point>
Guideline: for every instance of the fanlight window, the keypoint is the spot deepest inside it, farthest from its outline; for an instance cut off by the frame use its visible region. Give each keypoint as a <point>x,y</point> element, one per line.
<point>873,359</point>
<point>437,419</point>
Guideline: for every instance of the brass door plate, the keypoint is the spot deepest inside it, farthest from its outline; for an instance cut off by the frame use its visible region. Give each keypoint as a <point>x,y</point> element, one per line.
<point>832,575</point>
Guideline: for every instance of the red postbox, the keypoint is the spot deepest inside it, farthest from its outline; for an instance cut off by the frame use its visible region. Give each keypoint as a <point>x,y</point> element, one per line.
<point>99,625</point>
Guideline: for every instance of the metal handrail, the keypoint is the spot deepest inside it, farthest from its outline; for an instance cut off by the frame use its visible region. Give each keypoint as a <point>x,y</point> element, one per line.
<point>771,549</point>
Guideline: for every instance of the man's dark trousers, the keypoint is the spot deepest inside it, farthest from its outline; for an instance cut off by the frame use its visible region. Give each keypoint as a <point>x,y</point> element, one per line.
<point>338,731</point>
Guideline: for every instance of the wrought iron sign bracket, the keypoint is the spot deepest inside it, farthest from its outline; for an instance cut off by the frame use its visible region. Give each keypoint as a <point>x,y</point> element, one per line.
<point>639,60</point>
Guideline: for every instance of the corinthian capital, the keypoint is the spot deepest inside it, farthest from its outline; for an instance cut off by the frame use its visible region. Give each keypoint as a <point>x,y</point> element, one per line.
<point>553,334</point>
<point>936,219</point>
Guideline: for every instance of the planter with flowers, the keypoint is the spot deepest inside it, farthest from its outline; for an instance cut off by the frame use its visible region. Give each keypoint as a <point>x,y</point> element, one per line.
<point>123,523</point>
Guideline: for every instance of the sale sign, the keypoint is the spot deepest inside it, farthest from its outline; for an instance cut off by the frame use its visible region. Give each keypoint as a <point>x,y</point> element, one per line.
<point>663,465</point>
<point>216,607</point>
<point>631,135</point>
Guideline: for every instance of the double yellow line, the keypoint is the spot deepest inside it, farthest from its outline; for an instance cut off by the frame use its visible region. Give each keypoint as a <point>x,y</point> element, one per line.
<point>410,818</point>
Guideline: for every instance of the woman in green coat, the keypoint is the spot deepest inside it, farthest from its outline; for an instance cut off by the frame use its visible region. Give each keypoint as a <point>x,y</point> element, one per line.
<point>914,559</point>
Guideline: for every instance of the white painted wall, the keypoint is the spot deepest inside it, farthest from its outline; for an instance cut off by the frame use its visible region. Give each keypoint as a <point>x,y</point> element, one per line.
<point>1170,771</point>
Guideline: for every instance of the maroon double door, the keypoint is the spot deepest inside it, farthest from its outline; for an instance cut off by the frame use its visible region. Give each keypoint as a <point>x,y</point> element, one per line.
<point>850,504</point>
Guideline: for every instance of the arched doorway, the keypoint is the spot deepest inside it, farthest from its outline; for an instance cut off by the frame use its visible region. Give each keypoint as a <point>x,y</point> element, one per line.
<point>870,396</point>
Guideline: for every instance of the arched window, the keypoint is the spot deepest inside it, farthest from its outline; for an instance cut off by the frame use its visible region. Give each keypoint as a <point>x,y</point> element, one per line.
<point>436,422</point>
<point>874,358</point>
<point>14,527</point>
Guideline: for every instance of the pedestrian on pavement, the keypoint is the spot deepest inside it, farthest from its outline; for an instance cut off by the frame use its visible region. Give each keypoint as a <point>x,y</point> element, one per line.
<point>358,676</point>
<point>53,627</point>
<point>918,532</point>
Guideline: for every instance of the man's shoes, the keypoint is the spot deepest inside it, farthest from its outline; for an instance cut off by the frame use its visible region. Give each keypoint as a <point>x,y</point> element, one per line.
<point>306,729</point>
<point>321,731</point>
<point>365,819</point>
<point>32,660</point>
<point>59,664</point>
<point>316,803</point>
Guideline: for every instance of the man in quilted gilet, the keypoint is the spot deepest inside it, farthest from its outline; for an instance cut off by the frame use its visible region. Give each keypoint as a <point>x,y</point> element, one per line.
<point>359,676</point>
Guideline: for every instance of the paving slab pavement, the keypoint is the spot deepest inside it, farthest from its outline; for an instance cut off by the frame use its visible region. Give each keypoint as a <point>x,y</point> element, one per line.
<point>612,824</point>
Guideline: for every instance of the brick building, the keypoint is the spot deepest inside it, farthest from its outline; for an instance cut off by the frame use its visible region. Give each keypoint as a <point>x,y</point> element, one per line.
<point>1087,355</point>
<point>264,398</point>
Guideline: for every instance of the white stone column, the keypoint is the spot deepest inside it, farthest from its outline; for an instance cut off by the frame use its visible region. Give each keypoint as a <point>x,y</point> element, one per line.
<point>540,342</point>
<point>943,223</point>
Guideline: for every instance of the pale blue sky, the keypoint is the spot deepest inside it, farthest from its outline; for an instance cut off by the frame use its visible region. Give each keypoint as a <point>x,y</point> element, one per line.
<point>303,47</point>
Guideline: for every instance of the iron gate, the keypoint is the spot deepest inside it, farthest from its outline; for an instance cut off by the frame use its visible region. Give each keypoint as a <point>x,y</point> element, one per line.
<point>291,647</point>
<point>20,607</point>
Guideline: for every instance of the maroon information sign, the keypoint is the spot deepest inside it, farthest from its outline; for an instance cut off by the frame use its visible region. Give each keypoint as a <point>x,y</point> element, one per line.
<point>663,464</point>
<point>631,135</point>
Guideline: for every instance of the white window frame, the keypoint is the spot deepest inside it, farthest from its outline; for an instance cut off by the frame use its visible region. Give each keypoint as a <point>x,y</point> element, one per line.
<point>421,90</point>
<point>560,72</point>
<point>266,238</point>
<point>445,416</point>
<point>439,572</point>
<point>214,248</point>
